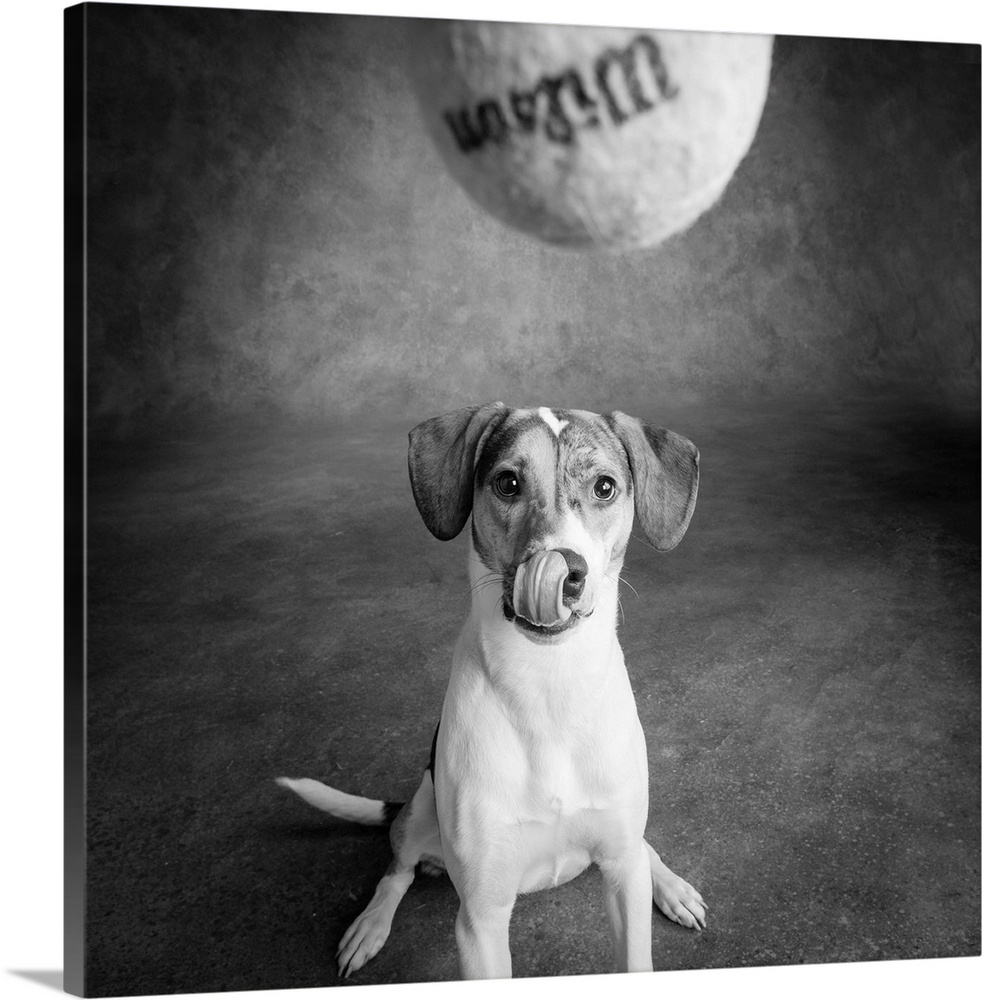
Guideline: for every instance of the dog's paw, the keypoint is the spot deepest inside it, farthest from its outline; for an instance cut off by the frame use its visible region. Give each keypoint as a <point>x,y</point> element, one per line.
<point>362,941</point>
<point>677,899</point>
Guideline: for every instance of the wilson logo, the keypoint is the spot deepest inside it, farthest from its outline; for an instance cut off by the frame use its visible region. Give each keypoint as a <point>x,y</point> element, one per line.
<point>622,84</point>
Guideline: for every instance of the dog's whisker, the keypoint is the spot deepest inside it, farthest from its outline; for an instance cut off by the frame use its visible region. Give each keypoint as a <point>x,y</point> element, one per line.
<point>615,579</point>
<point>488,580</point>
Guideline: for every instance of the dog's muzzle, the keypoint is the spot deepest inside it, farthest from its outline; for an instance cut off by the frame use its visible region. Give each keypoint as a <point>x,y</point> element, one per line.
<point>545,587</point>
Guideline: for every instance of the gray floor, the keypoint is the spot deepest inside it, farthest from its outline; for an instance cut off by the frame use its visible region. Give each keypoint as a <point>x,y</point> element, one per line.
<point>806,666</point>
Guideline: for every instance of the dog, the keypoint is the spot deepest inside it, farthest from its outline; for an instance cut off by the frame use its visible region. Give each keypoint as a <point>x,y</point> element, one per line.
<point>538,766</point>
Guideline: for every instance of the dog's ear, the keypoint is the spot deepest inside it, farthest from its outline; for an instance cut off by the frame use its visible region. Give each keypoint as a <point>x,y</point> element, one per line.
<point>665,467</point>
<point>443,453</point>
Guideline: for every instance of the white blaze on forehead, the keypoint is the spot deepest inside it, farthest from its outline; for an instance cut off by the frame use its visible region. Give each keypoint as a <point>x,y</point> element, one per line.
<point>550,418</point>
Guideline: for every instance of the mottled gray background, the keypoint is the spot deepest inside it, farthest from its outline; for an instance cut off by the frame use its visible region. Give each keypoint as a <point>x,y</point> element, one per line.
<point>271,232</point>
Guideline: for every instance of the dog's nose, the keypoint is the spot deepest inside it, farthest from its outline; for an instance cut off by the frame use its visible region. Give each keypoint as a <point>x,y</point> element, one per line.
<point>576,578</point>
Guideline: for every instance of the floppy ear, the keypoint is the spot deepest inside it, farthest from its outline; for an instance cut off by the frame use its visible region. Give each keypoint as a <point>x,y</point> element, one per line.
<point>443,453</point>
<point>665,467</point>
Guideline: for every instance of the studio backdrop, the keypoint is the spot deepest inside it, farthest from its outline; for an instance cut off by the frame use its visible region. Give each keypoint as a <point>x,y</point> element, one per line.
<point>283,276</point>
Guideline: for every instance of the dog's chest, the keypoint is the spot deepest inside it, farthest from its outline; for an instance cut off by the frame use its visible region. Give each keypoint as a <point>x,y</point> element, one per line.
<point>541,766</point>
<point>573,804</point>
<point>566,815</point>
<point>560,781</point>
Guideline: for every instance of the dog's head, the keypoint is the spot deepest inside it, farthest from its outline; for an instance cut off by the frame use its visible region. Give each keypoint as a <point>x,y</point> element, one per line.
<point>553,494</point>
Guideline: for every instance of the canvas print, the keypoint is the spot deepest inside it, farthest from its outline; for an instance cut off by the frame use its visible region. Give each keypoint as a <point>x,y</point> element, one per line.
<point>523,500</point>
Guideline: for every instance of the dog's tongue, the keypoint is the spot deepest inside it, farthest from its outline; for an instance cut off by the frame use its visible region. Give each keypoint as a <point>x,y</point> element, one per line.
<point>538,593</point>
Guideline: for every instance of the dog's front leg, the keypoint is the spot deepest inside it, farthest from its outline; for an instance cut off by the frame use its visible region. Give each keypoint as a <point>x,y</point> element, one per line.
<point>485,877</point>
<point>482,939</point>
<point>627,900</point>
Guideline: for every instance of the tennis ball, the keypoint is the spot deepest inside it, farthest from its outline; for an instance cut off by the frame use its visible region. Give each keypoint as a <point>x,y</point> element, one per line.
<point>608,138</point>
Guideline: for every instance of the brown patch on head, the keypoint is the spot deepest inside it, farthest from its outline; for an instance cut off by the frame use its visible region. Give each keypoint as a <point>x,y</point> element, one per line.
<point>589,453</point>
<point>505,527</point>
<point>589,449</point>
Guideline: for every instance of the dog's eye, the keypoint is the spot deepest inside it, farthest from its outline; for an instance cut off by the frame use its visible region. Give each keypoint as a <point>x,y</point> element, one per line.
<point>604,488</point>
<point>507,484</point>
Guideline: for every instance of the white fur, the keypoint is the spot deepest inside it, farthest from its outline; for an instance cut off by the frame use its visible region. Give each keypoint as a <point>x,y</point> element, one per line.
<point>540,770</point>
<point>552,421</point>
<point>354,808</point>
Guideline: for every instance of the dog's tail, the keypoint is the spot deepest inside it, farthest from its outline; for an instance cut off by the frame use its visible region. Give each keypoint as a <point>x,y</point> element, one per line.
<point>353,808</point>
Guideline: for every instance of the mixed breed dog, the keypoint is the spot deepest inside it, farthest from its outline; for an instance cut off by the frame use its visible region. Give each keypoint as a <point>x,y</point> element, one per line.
<point>538,767</point>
